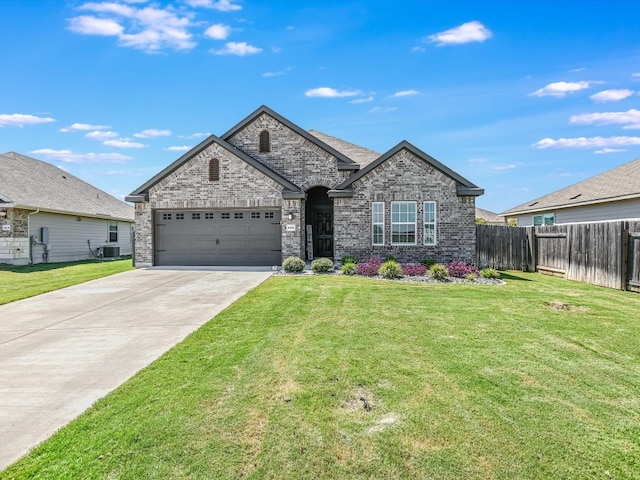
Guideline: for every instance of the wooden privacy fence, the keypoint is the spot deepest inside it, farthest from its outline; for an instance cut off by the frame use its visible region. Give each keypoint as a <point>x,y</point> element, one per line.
<point>602,253</point>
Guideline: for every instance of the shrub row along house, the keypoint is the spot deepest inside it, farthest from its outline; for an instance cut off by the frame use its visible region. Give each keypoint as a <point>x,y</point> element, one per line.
<point>267,189</point>
<point>48,215</point>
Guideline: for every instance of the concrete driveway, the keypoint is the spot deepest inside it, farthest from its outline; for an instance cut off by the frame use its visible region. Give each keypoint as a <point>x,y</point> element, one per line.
<point>62,351</point>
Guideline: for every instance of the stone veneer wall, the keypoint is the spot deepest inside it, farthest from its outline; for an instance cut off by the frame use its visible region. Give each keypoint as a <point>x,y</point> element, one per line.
<point>240,186</point>
<point>405,177</point>
<point>14,243</point>
<point>292,156</point>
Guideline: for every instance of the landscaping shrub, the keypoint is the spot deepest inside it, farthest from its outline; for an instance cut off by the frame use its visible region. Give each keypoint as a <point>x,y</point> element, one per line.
<point>428,262</point>
<point>390,269</point>
<point>321,265</point>
<point>439,271</point>
<point>293,265</point>
<point>390,258</point>
<point>348,268</point>
<point>414,269</point>
<point>369,268</point>
<point>461,269</point>
<point>489,273</point>
<point>348,259</point>
<point>470,277</point>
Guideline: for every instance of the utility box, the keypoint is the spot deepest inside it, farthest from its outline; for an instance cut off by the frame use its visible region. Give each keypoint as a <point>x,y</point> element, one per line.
<point>109,251</point>
<point>44,235</point>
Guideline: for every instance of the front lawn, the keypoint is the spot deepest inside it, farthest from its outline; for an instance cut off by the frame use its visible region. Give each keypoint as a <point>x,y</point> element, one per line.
<point>26,281</point>
<point>339,377</point>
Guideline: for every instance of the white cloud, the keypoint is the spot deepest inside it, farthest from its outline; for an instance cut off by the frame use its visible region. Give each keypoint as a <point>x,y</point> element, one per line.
<point>152,133</point>
<point>586,142</point>
<point>610,150</point>
<point>362,100</point>
<point>477,160</point>
<point>195,135</point>
<point>278,73</point>
<point>329,92</point>
<point>503,167</point>
<point>21,119</point>
<point>123,143</point>
<point>89,25</point>
<point>465,33</point>
<point>382,109</point>
<point>68,156</point>
<point>418,49</point>
<point>147,28</point>
<point>577,70</point>
<point>560,89</point>
<point>237,48</point>
<point>83,127</point>
<point>220,5</point>
<point>101,136</point>
<point>636,76</point>
<point>181,148</point>
<point>218,31</point>
<point>630,119</point>
<point>405,93</point>
<point>611,95</point>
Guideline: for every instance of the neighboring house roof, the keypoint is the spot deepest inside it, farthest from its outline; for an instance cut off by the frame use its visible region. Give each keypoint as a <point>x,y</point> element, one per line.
<point>620,183</point>
<point>32,184</point>
<point>143,190</point>
<point>490,217</point>
<point>362,156</point>
<point>464,186</point>
<point>344,162</point>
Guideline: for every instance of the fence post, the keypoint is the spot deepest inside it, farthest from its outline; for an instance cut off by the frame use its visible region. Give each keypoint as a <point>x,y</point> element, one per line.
<point>625,255</point>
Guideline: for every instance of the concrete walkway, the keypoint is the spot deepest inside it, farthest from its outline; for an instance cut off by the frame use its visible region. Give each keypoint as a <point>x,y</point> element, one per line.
<point>62,351</point>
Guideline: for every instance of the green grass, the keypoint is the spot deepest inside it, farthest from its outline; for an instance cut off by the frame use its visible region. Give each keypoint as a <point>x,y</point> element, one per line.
<point>462,381</point>
<point>22,282</point>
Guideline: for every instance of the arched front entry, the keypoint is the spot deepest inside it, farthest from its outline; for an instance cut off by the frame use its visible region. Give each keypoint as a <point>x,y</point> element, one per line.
<point>319,216</point>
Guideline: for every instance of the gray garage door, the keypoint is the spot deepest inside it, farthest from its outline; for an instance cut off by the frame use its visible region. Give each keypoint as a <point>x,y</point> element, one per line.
<point>218,237</point>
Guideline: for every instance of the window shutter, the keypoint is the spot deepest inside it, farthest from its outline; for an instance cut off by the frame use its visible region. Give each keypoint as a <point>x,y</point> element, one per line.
<point>214,170</point>
<point>265,146</point>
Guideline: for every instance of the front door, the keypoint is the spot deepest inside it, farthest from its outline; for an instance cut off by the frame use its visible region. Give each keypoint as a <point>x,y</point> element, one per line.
<point>320,216</point>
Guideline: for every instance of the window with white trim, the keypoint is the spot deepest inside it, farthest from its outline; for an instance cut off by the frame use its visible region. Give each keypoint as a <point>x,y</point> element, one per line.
<point>113,232</point>
<point>403,223</point>
<point>377,223</point>
<point>546,219</point>
<point>429,214</point>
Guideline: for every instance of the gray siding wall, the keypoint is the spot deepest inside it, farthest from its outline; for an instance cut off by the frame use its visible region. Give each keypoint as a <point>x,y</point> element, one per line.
<point>240,186</point>
<point>405,177</point>
<point>291,155</point>
<point>602,212</point>
<point>68,237</point>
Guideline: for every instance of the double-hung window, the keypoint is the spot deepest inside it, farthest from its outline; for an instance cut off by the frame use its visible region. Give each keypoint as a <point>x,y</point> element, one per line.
<point>377,223</point>
<point>429,212</point>
<point>113,232</point>
<point>403,223</point>
<point>546,219</point>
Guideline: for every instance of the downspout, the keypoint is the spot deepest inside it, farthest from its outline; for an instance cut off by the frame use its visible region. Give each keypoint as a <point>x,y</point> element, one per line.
<point>29,235</point>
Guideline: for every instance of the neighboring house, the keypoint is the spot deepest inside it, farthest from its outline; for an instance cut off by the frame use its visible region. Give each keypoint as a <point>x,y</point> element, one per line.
<point>612,195</point>
<point>267,189</point>
<point>48,215</point>
<point>489,218</point>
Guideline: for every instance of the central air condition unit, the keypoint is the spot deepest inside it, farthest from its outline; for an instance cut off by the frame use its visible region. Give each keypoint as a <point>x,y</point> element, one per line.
<point>110,252</point>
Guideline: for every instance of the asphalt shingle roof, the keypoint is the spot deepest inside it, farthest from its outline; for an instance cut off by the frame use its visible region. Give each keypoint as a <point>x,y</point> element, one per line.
<point>362,156</point>
<point>30,183</point>
<point>619,183</point>
<point>490,217</point>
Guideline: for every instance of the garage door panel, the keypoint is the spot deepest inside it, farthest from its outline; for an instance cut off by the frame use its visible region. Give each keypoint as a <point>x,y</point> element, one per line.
<point>218,237</point>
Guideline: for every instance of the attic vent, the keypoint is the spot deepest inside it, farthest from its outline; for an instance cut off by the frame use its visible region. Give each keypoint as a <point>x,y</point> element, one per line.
<point>575,196</point>
<point>214,170</point>
<point>265,144</point>
<point>532,204</point>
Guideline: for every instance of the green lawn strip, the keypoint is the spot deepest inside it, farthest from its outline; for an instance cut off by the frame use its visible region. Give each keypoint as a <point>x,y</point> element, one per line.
<point>30,280</point>
<point>538,378</point>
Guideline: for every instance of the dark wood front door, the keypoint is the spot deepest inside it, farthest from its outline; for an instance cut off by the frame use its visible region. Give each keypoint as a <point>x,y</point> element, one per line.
<point>321,221</point>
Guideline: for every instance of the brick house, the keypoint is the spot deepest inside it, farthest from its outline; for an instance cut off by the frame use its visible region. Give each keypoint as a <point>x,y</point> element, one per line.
<point>267,189</point>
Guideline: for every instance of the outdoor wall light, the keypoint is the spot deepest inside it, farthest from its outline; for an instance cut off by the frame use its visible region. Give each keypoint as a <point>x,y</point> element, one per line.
<point>290,215</point>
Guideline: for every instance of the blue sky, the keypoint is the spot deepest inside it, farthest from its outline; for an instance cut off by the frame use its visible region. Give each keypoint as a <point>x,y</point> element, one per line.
<point>521,98</point>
